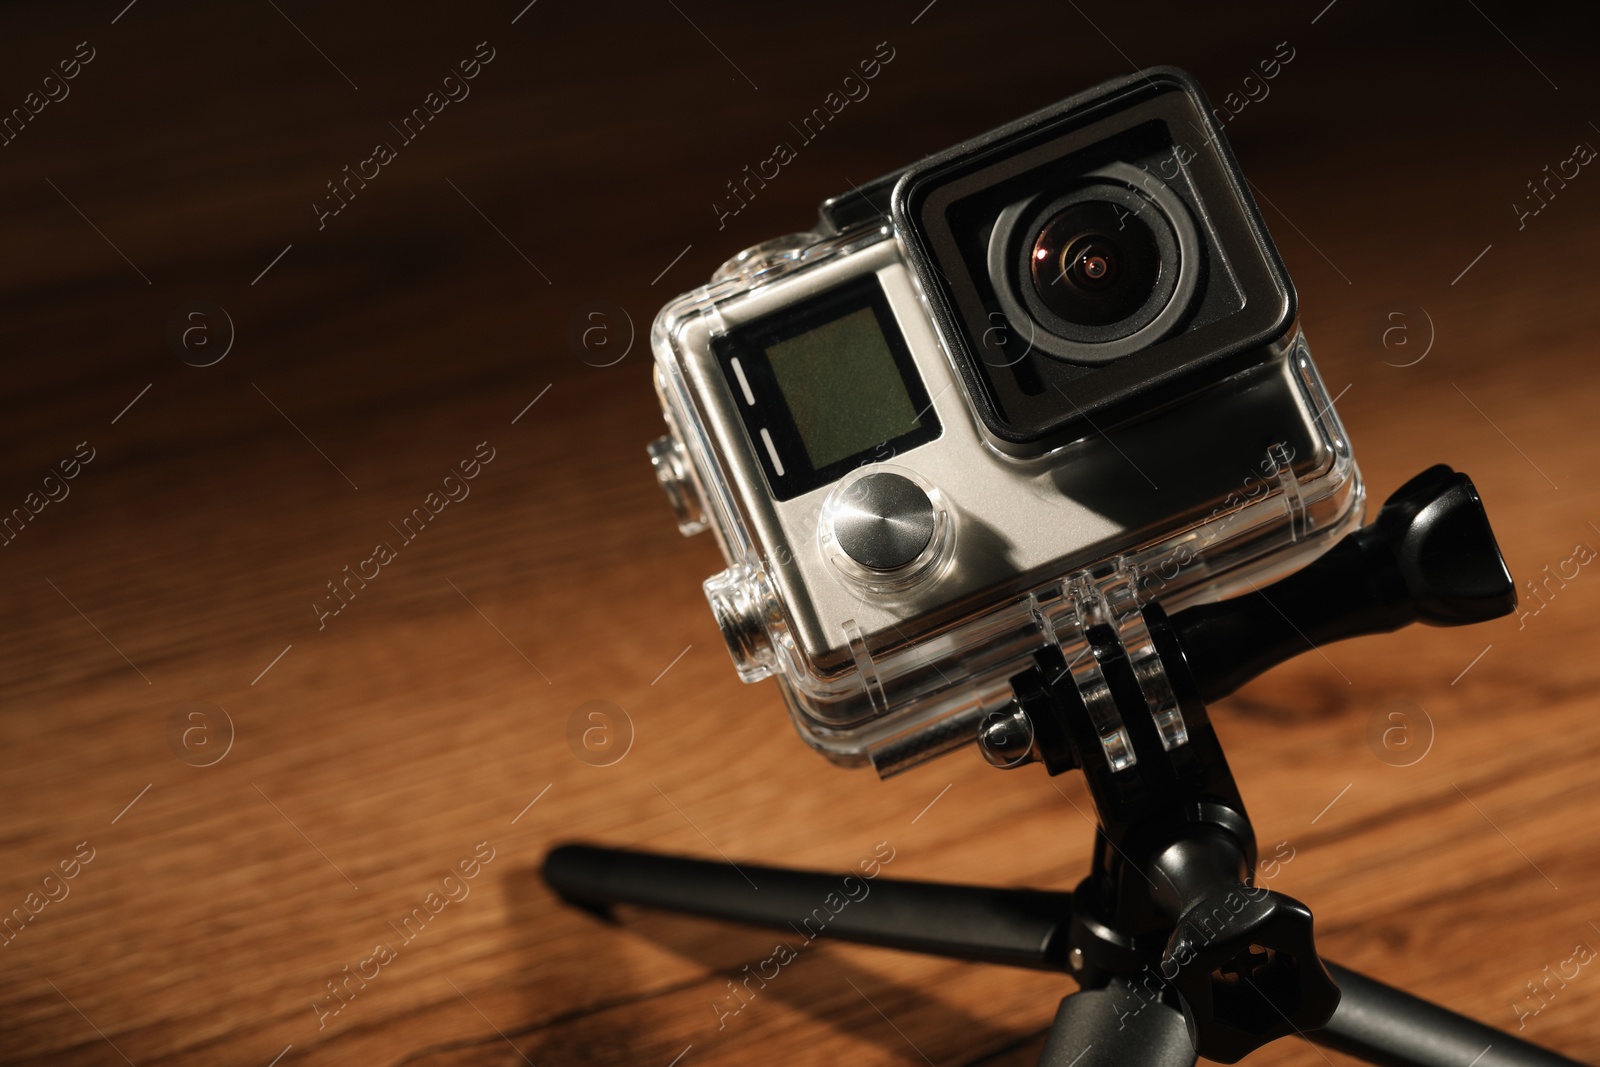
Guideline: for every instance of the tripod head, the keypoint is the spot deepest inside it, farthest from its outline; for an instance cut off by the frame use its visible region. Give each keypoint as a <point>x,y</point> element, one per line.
<point>1171,897</point>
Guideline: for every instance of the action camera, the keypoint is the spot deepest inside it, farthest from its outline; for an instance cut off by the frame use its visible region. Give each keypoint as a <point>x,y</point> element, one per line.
<point>1021,388</point>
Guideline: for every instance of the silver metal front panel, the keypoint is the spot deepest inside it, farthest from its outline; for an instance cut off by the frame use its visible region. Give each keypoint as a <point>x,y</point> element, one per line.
<point>1015,521</point>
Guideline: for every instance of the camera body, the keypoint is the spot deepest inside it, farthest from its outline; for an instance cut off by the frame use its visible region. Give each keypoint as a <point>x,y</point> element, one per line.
<point>1013,391</point>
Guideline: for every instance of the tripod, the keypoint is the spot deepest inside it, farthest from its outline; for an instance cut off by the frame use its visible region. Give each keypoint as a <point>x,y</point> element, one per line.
<point>1176,952</point>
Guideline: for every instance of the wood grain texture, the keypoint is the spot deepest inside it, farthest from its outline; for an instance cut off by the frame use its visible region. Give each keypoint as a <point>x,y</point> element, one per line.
<point>379,751</point>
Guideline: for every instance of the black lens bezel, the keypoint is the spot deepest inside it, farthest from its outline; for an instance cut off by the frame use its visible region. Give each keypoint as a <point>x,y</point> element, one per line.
<point>1068,401</point>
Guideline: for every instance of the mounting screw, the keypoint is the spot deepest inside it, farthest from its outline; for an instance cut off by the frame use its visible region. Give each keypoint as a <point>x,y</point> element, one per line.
<point>1006,737</point>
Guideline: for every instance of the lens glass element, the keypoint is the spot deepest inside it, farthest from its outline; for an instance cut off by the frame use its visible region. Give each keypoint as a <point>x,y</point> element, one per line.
<point>1095,263</point>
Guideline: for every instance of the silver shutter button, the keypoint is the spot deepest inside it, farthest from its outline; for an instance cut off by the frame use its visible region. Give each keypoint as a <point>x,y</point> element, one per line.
<point>887,531</point>
<point>883,521</point>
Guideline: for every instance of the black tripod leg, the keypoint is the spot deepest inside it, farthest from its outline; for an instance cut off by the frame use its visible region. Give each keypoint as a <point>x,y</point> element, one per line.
<point>1017,927</point>
<point>1111,1027</point>
<point>1116,1027</point>
<point>1383,1025</point>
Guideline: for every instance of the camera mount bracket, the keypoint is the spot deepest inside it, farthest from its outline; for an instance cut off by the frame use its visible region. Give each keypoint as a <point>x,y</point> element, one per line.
<point>1176,951</point>
<point>1170,905</point>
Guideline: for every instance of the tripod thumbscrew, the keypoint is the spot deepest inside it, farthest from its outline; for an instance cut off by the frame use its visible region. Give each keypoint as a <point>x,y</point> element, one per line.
<point>1247,972</point>
<point>1430,557</point>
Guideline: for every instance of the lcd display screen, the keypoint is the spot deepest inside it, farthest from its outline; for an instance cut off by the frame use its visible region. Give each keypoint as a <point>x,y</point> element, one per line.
<point>842,388</point>
<point>825,386</point>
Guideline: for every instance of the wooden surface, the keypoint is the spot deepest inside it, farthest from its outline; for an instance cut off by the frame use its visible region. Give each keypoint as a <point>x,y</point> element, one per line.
<point>369,758</point>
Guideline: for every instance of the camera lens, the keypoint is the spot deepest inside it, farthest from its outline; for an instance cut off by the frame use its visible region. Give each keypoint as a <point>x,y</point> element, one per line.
<point>1097,270</point>
<point>1094,264</point>
<point>1090,262</point>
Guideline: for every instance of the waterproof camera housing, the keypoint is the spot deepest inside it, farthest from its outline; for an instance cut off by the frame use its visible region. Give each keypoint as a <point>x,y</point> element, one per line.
<point>1014,391</point>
